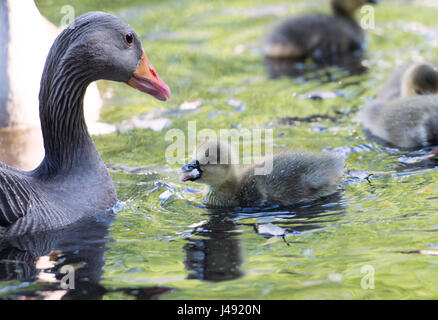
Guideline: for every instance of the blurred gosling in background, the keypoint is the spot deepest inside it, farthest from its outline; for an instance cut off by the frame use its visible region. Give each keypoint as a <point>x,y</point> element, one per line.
<point>325,38</point>
<point>405,112</point>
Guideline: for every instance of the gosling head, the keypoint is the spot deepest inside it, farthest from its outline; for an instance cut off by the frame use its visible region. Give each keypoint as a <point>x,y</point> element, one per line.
<point>106,48</point>
<point>213,164</point>
<point>349,7</point>
<point>420,79</point>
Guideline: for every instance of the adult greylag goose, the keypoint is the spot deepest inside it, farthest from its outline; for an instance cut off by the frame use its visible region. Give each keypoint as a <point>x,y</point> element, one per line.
<point>295,177</point>
<point>324,38</point>
<point>72,181</point>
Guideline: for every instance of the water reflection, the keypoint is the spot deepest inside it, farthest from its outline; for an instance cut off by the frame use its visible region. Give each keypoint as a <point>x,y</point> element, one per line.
<point>276,68</point>
<point>41,257</point>
<point>418,160</point>
<point>214,251</point>
<point>409,159</point>
<point>22,149</point>
<point>303,217</point>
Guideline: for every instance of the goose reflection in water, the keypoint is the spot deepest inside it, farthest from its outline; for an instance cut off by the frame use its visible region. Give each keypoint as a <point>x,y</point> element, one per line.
<point>217,256</point>
<point>48,257</point>
<point>214,251</point>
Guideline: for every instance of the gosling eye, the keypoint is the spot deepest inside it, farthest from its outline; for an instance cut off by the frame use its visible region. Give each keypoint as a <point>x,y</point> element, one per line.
<point>129,38</point>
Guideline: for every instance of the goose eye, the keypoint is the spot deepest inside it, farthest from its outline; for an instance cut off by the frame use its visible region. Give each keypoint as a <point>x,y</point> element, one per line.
<point>418,91</point>
<point>129,38</point>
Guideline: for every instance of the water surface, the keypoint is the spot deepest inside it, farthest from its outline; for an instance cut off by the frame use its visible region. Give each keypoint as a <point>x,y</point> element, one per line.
<point>163,244</point>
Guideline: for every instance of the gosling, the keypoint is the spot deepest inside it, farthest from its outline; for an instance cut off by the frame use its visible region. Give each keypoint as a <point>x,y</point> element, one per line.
<point>418,78</point>
<point>405,112</point>
<point>324,38</point>
<point>294,177</point>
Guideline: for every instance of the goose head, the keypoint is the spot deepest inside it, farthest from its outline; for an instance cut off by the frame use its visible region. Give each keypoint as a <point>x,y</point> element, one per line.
<point>349,7</point>
<point>420,79</point>
<point>213,164</point>
<point>94,46</point>
<point>106,48</point>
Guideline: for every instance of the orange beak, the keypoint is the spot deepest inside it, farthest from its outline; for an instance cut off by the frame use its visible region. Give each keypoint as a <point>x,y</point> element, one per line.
<point>146,79</point>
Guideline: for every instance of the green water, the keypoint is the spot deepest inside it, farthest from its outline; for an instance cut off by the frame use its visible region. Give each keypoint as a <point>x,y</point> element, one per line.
<point>210,50</point>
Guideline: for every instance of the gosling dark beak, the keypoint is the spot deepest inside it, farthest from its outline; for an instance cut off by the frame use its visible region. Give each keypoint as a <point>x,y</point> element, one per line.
<point>191,171</point>
<point>146,79</point>
<point>372,1</point>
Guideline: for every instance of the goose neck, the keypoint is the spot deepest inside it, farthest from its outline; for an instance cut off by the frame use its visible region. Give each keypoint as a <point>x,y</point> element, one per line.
<point>65,134</point>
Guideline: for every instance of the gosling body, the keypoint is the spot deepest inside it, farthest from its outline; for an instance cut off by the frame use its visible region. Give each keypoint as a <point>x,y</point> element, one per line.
<point>406,123</point>
<point>294,178</point>
<point>405,112</point>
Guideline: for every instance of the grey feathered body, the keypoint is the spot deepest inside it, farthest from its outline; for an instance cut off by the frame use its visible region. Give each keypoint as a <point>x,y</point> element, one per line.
<point>31,204</point>
<point>405,122</point>
<point>325,38</point>
<point>295,177</point>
